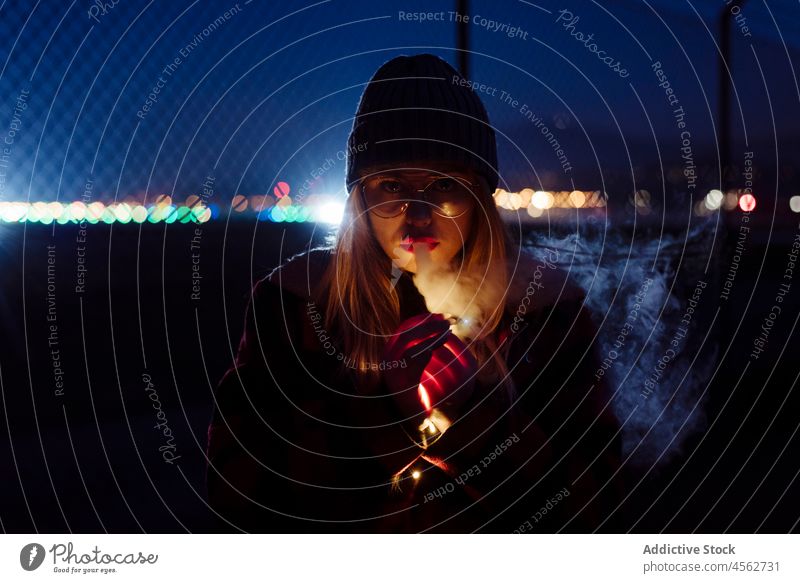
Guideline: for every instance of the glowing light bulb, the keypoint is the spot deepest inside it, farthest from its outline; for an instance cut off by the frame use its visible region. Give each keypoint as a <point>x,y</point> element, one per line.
<point>416,474</point>
<point>424,397</point>
<point>427,425</point>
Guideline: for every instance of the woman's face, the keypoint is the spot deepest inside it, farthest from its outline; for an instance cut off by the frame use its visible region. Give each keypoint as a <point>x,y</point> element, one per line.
<point>421,228</point>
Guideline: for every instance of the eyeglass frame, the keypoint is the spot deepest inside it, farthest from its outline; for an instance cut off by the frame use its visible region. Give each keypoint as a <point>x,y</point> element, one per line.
<point>421,191</point>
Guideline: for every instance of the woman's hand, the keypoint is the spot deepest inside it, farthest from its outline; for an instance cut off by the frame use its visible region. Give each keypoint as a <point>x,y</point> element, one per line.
<point>438,371</point>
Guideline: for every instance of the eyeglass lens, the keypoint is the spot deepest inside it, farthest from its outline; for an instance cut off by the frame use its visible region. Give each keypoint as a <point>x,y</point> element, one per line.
<point>389,196</point>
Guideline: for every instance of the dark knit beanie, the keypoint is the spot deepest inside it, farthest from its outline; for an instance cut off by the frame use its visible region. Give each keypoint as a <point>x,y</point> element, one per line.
<point>419,109</point>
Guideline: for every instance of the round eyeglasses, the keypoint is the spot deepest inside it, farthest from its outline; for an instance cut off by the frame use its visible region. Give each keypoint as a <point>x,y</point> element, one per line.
<point>389,196</point>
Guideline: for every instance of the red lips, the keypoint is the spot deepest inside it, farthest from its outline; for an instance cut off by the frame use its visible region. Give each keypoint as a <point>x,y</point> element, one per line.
<point>408,243</point>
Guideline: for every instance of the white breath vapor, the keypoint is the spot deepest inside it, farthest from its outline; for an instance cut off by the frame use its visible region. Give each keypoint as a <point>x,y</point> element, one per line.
<point>468,298</point>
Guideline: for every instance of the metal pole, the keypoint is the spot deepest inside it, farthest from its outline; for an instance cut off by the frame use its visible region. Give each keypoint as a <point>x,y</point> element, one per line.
<point>462,38</point>
<point>725,139</point>
<point>725,85</point>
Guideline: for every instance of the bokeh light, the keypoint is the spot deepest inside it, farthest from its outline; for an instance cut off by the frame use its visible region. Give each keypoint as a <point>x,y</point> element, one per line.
<point>577,198</point>
<point>713,200</point>
<point>330,212</point>
<point>535,211</point>
<point>281,189</point>
<point>239,203</point>
<point>747,202</point>
<point>542,200</point>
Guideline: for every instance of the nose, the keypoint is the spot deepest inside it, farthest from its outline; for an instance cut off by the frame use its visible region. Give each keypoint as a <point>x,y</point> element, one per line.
<point>418,213</point>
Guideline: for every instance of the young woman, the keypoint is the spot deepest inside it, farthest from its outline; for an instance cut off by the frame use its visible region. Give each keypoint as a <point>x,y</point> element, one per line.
<point>424,374</point>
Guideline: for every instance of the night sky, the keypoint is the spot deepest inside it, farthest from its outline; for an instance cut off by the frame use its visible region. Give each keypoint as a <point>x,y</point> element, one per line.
<point>269,92</point>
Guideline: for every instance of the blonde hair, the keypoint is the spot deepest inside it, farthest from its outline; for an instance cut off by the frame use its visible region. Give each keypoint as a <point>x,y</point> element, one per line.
<point>362,306</point>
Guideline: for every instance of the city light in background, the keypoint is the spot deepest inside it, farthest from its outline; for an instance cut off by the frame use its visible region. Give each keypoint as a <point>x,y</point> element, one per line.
<point>328,209</point>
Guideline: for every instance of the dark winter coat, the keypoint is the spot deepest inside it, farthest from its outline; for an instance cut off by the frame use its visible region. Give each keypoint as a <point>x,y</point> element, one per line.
<point>294,448</point>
